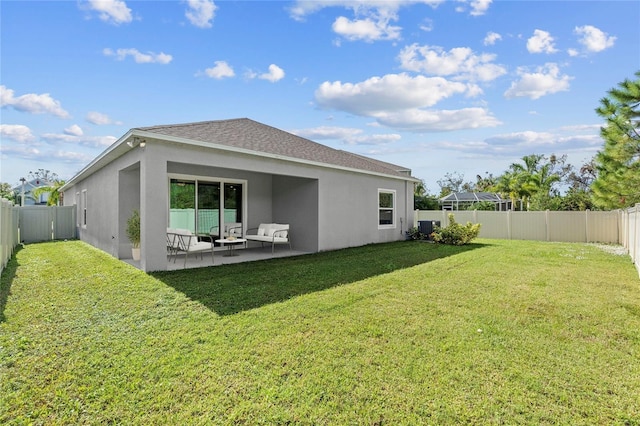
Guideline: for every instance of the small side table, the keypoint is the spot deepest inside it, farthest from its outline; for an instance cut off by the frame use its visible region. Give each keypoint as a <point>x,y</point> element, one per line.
<point>231,245</point>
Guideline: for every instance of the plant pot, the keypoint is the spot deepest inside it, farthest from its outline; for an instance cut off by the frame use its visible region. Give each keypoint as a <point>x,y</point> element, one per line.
<point>135,253</point>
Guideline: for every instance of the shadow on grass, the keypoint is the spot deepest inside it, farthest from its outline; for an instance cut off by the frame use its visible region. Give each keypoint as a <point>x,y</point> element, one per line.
<point>6,280</point>
<point>230,289</point>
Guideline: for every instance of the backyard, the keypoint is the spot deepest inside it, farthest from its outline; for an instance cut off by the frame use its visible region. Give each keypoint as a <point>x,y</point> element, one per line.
<point>495,332</point>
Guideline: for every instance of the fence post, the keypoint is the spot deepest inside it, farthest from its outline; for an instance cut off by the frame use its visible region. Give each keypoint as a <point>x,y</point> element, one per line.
<point>586,225</point>
<point>546,224</point>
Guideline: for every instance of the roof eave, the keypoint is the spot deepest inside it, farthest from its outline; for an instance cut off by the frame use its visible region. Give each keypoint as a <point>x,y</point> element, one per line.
<point>112,152</point>
<point>222,147</point>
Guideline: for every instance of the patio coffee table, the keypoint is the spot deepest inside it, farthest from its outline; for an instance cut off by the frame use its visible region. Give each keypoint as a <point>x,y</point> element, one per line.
<point>231,245</point>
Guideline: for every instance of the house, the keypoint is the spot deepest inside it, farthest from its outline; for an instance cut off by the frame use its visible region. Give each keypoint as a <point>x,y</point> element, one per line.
<point>29,198</point>
<point>203,175</point>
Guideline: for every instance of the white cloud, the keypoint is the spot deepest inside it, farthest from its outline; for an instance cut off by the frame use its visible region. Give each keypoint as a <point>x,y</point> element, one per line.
<point>545,81</point>
<point>17,132</point>
<point>74,130</point>
<point>517,144</point>
<point>421,120</point>
<point>201,12</point>
<point>32,103</point>
<point>460,61</point>
<point>479,7</point>
<point>70,157</point>
<point>400,101</point>
<point>23,151</point>
<point>81,140</point>
<point>541,42</point>
<point>220,70</point>
<point>275,74</point>
<point>427,25</point>
<point>594,39</point>
<point>327,132</point>
<point>100,119</point>
<point>371,21</point>
<point>368,29</point>
<point>391,92</point>
<point>111,11</point>
<point>302,8</point>
<point>348,135</point>
<point>139,57</point>
<point>491,38</point>
<point>573,52</point>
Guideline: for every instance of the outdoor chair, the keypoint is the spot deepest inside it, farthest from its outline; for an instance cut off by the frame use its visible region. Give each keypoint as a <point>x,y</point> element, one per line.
<point>185,241</point>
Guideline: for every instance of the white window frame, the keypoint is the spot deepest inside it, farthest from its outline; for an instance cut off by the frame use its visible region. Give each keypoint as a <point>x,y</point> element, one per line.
<point>83,210</point>
<point>393,208</point>
<point>78,209</point>
<point>222,181</point>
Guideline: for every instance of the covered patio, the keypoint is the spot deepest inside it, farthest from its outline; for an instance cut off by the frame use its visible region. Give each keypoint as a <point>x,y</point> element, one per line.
<point>243,255</point>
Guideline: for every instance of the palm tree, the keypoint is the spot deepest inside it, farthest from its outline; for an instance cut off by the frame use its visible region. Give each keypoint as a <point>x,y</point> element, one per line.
<point>509,184</point>
<point>55,196</point>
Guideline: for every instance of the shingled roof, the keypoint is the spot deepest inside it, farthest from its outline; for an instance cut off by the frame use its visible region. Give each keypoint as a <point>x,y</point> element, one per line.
<point>246,134</point>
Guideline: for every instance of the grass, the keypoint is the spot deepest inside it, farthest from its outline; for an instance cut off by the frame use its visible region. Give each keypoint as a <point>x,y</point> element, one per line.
<point>498,332</point>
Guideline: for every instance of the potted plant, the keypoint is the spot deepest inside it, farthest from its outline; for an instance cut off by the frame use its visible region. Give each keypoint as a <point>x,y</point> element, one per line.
<point>133,233</point>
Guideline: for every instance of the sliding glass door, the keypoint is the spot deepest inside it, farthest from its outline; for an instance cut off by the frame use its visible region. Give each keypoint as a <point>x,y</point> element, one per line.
<point>206,207</point>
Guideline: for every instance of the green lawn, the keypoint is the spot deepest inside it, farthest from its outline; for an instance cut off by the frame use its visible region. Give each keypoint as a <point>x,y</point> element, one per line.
<point>497,332</point>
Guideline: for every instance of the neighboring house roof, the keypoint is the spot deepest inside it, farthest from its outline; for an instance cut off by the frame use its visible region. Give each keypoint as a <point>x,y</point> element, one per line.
<point>30,185</point>
<point>472,197</point>
<point>250,135</point>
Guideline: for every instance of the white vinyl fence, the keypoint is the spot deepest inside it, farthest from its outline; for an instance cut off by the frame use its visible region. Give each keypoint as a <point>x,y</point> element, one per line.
<point>40,223</point>
<point>30,224</point>
<point>631,236</point>
<point>610,227</point>
<point>9,236</point>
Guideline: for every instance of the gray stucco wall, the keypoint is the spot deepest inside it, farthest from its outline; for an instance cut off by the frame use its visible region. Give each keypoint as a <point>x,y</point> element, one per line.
<point>326,208</point>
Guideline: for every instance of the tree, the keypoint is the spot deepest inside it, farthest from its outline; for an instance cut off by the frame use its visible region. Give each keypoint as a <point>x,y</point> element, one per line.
<point>618,163</point>
<point>534,181</point>
<point>45,176</point>
<point>6,192</point>
<point>55,196</point>
<point>453,182</point>
<point>509,184</point>
<point>422,200</point>
<point>485,184</point>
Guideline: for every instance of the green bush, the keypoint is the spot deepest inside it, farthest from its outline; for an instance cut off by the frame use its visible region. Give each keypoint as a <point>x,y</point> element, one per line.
<point>415,234</point>
<point>456,234</point>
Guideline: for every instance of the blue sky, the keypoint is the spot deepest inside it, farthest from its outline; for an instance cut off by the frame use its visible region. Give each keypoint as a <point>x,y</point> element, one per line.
<point>436,86</point>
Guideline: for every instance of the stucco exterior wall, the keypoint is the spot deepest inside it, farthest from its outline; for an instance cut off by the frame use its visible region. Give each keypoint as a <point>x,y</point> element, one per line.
<point>326,208</point>
<point>104,225</point>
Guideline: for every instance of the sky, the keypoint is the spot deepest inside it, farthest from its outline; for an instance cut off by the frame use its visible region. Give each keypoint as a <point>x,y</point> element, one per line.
<point>466,87</point>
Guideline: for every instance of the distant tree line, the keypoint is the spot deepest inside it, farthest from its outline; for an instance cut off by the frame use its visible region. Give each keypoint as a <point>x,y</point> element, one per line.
<point>610,180</point>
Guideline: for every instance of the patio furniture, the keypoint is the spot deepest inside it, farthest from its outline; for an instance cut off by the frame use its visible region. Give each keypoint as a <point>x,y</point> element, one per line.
<point>185,241</point>
<point>271,233</point>
<point>231,243</point>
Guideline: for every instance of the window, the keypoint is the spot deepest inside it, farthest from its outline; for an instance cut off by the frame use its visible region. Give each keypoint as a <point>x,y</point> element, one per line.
<point>386,208</point>
<point>83,202</point>
<point>78,209</point>
<point>205,206</point>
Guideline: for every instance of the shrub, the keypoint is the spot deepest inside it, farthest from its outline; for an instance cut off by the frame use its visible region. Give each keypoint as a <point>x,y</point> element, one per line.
<point>456,234</point>
<point>415,234</point>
